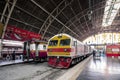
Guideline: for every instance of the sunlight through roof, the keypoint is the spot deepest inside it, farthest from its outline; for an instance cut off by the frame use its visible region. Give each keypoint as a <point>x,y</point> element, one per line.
<point>103,38</point>
<point>111,9</point>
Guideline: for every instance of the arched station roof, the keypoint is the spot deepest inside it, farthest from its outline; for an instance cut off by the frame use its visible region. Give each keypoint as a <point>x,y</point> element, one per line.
<point>78,18</point>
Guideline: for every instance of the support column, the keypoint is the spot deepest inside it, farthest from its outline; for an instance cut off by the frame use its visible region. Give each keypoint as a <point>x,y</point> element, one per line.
<point>2,17</point>
<point>7,20</point>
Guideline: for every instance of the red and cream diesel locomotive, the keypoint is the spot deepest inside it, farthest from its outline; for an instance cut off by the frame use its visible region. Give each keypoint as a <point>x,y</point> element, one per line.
<point>64,50</point>
<point>36,50</point>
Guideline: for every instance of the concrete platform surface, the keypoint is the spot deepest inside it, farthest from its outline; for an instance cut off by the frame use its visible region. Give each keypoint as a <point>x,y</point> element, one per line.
<point>4,63</point>
<point>101,68</point>
<point>74,72</point>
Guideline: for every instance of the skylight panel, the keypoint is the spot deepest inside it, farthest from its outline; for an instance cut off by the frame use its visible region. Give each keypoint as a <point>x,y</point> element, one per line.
<point>111,9</point>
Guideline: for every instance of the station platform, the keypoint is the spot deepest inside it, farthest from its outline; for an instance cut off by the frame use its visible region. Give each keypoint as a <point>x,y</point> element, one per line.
<point>12,62</point>
<point>5,63</point>
<point>98,68</point>
<point>101,68</point>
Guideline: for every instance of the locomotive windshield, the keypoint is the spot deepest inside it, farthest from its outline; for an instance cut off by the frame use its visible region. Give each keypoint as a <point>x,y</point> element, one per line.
<point>53,43</point>
<point>65,42</point>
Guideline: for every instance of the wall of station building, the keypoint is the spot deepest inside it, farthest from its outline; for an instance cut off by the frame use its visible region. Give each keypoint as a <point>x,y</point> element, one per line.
<point>104,38</point>
<point>109,43</point>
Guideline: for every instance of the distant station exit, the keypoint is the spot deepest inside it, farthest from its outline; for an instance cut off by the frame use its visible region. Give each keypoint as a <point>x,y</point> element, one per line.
<point>107,49</point>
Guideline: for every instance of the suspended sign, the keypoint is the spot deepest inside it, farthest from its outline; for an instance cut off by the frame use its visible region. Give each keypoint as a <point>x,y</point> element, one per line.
<point>14,33</point>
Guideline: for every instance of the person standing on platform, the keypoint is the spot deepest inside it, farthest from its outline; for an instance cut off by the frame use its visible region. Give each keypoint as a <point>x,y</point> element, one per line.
<point>94,52</point>
<point>13,55</point>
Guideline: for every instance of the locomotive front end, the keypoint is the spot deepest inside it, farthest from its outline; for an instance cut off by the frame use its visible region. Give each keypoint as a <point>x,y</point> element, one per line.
<point>59,51</point>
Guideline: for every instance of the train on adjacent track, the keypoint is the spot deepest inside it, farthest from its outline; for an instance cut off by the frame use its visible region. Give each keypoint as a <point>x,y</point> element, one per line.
<point>35,50</point>
<point>64,50</point>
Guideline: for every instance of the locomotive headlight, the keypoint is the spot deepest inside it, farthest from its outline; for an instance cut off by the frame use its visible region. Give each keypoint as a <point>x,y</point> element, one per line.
<point>65,50</point>
<point>68,59</point>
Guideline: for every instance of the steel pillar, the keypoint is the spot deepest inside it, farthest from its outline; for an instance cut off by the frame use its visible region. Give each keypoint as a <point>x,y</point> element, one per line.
<point>7,20</point>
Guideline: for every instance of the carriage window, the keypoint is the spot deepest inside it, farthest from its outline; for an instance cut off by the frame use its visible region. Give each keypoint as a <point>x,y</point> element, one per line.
<point>75,43</point>
<point>44,47</point>
<point>65,42</point>
<point>41,47</point>
<point>53,43</point>
<point>32,47</point>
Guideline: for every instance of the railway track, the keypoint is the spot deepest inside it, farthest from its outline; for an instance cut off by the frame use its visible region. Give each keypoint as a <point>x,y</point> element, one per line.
<point>30,71</point>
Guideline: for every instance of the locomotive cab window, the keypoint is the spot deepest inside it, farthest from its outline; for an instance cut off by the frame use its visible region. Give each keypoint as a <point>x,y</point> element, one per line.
<point>53,43</point>
<point>65,42</point>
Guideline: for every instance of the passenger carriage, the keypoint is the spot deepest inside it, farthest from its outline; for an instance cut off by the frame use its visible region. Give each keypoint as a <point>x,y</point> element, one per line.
<point>36,50</point>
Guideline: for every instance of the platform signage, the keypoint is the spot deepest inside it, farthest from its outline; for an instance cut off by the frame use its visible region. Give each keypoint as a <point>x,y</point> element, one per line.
<point>14,33</point>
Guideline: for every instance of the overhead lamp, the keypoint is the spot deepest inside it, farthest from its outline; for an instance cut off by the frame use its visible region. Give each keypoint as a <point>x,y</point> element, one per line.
<point>111,9</point>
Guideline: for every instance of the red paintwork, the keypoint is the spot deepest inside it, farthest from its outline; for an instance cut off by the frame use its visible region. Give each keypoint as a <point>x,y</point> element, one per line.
<point>24,52</point>
<point>42,54</point>
<point>61,63</point>
<point>115,55</point>
<point>32,55</point>
<point>59,50</point>
<point>112,53</point>
<point>23,35</point>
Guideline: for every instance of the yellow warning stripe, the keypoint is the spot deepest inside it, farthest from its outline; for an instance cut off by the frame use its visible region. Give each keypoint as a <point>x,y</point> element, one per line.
<point>58,53</point>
